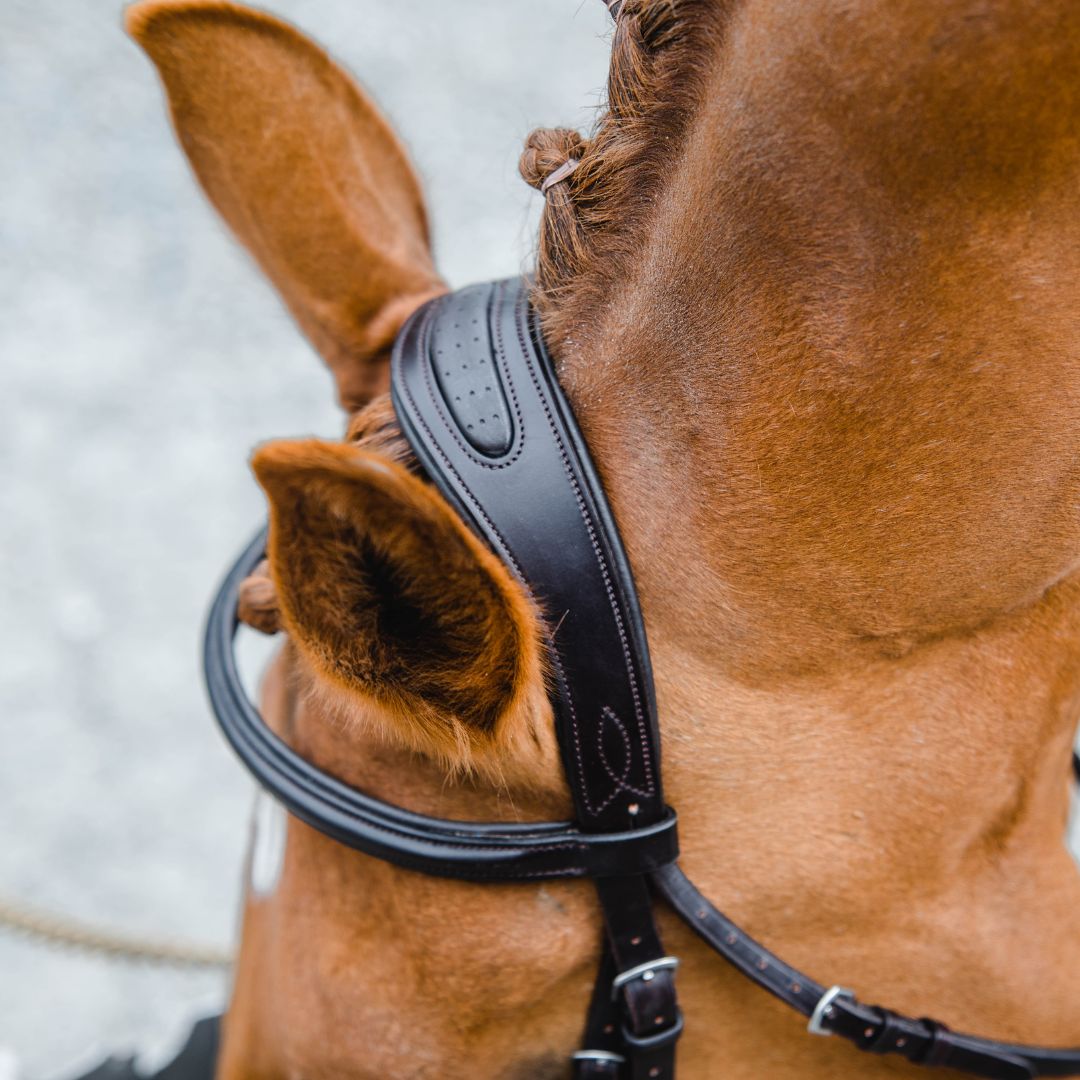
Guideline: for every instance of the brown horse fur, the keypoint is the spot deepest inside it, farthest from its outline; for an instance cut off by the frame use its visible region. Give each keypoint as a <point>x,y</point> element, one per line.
<point>330,206</point>
<point>446,649</point>
<point>813,291</point>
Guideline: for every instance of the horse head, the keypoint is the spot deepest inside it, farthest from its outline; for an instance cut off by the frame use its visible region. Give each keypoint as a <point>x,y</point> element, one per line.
<point>811,287</point>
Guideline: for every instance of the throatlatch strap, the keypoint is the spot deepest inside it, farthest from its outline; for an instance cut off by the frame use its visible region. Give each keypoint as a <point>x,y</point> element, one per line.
<point>835,1011</point>
<point>479,401</point>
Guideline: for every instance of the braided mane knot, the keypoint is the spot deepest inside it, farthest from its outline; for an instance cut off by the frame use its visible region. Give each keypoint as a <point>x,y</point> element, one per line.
<point>547,150</point>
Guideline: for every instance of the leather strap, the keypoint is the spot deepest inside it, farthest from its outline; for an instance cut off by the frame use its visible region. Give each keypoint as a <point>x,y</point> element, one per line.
<point>644,987</point>
<point>602,1057</point>
<point>870,1028</point>
<point>531,492</point>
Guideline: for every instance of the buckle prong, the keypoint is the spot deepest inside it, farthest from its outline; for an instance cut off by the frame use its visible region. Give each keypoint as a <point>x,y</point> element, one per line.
<point>646,972</point>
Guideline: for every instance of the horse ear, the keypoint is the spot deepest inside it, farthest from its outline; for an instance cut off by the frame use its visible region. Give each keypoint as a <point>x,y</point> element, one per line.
<point>391,598</point>
<point>305,171</point>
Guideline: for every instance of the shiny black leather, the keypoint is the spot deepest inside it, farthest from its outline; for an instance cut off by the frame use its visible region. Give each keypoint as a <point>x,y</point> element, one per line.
<point>540,506</point>
<point>871,1028</point>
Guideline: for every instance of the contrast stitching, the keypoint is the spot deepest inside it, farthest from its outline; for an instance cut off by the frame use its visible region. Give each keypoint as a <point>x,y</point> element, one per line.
<point>568,697</point>
<point>619,781</point>
<point>560,673</point>
<point>566,691</point>
<point>507,554</point>
<point>602,562</point>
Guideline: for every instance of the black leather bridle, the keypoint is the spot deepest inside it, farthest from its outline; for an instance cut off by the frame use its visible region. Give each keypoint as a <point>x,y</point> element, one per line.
<point>478,399</point>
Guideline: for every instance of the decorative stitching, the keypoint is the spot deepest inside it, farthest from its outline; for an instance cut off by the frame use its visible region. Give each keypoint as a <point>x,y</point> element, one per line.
<point>608,713</point>
<point>568,696</point>
<point>504,547</point>
<point>508,555</point>
<point>602,562</point>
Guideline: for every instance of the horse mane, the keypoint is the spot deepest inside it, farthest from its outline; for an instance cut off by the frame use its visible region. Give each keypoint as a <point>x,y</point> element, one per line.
<point>592,222</point>
<point>593,219</point>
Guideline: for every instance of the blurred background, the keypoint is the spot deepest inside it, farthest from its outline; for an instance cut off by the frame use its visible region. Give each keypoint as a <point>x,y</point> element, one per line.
<point>141,358</point>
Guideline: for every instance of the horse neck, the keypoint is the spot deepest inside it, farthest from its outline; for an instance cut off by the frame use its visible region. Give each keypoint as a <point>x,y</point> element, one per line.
<point>833,402</point>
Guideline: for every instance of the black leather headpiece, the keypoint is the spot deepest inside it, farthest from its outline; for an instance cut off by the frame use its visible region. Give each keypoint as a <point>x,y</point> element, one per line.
<point>478,401</point>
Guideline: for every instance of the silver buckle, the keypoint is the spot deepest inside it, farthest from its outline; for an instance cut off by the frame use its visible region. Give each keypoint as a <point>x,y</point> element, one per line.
<point>821,1009</point>
<point>645,972</point>
<point>599,1055</point>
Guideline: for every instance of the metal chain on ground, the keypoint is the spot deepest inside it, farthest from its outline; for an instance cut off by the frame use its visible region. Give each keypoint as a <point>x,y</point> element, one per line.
<point>65,933</point>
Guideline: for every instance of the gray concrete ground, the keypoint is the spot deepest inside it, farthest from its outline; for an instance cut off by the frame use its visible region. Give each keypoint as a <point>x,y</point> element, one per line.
<point>141,357</point>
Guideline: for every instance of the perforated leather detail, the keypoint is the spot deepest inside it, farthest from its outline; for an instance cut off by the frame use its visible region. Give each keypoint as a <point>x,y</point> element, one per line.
<point>461,353</point>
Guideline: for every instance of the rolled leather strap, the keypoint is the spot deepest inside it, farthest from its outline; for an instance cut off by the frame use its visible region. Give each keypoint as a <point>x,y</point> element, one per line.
<point>470,851</point>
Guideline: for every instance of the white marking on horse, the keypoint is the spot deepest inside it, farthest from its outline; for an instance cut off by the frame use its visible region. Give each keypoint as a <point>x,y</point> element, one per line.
<point>266,847</point>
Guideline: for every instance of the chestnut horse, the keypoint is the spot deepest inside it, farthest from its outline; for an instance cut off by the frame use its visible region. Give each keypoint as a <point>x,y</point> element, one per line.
<point>814,292</point>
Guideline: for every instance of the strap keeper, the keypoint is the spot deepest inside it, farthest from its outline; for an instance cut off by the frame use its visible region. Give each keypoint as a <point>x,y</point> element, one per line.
<point>937,1049</point>
<point>667,1037</point>
<point>890,1038</point>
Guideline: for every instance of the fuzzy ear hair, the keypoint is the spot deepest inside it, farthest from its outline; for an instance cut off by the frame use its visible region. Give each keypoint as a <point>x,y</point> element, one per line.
<point>391,597</point>
<point>304,170</point>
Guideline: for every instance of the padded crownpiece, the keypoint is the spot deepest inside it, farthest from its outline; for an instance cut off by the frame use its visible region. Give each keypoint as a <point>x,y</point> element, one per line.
<point>540,506</point>
<point>462,352</point>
